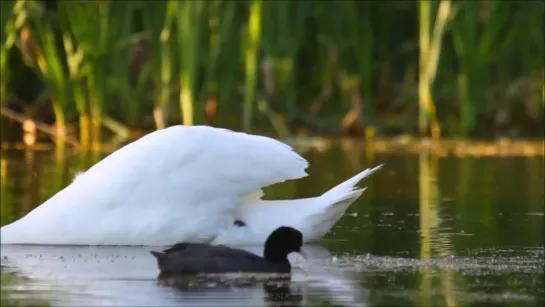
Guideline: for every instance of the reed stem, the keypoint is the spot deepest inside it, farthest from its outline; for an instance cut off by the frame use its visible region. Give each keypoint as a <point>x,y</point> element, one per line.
<point>165,68</point>
<point>4,73</point>
<point>311,64</point>
<point>252,45</point>
<point>430,49</point>
<point>189,31</point>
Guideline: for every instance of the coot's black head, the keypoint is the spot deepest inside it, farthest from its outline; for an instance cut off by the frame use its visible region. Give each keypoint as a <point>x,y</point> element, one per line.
<point>281,242</point>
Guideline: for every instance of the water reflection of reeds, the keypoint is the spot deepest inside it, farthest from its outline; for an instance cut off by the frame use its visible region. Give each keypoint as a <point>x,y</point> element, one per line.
<point>435,235</point>
<point>5,207</point>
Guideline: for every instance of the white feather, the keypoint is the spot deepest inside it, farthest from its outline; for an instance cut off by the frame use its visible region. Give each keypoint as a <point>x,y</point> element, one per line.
<point>175,184</point>
<point>314,216</point>
<point>183,184</point>
<point>78,175</point>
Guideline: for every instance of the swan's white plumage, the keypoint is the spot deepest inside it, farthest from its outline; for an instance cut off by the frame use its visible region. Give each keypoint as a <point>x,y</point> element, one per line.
<point>183,184</point>
<point>175,184</point>
<point>313,216</point>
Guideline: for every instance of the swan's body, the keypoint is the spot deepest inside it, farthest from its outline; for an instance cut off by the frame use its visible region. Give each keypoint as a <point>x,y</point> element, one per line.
<point>183,184</point>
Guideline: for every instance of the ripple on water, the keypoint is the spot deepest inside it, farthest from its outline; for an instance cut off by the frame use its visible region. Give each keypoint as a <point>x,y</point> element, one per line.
<point>488,275</point>
<point>498,261</point>
<point>493,275</point>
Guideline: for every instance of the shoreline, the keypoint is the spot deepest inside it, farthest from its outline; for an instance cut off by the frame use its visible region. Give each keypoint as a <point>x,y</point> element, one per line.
<point>398,145</point>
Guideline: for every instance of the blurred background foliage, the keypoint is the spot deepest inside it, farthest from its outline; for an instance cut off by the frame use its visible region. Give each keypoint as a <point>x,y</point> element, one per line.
<point>440,68</point>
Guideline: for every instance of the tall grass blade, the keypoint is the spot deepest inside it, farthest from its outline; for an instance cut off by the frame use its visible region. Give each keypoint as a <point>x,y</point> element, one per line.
<point>74,60</point>
<point>253,40</point>
<point>40,49</point>
<point>465,33</point>
<point>8,29</point>
<point>158,21</point>
<point>190,24</point>
<point>430,50</point>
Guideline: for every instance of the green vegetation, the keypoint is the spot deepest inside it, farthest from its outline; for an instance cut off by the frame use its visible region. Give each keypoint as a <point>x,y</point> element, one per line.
<point>450,68</point>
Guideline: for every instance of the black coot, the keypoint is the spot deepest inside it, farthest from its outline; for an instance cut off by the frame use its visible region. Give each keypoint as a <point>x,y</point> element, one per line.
<point>197,258</point>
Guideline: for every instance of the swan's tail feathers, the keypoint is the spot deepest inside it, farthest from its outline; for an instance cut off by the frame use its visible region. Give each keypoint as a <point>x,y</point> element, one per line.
<point>348,198</point>
<point>332,210</point>
<point>349,186</point>
<point>334,204</point>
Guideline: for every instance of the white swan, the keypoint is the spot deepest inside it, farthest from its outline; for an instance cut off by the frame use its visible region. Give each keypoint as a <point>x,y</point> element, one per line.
<point>183,183</point>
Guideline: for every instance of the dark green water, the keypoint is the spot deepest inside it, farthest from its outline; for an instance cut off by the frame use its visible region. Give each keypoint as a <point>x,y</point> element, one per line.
<point>428,231</point>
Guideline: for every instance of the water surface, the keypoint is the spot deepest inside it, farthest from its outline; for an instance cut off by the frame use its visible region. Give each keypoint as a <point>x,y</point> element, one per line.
<point>428,231</point>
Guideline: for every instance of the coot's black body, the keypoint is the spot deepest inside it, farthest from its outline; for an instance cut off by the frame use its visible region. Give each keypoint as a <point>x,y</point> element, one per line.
<point>198,258</point>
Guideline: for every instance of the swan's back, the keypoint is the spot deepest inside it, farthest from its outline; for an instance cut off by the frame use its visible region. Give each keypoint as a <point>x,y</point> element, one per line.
<point>177,184</point>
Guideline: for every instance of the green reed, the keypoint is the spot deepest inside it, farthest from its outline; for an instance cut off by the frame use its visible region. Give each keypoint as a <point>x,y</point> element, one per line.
<point>364,47</point>
<point>441,67</point>
<point>430,49</point>
<point>485,35</point>
<point>253,36</point>
<point>4,195</point>
<point>116,57</point>
<point>74,59</point>
<point>89,32</point>
<point>469,76</point>
<point>353,41</point>
<point>283,32</point>
<point>8,18</point>
<point>98,27</point>
<point>189,26</point>
<point>40,50</point>
<point>159,21</point>
<point>223,40</point>
<point>230,59</point>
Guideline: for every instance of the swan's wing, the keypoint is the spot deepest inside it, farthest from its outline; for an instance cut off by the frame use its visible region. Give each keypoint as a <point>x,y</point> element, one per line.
<point>201,160</point>
<point>176,184</point>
